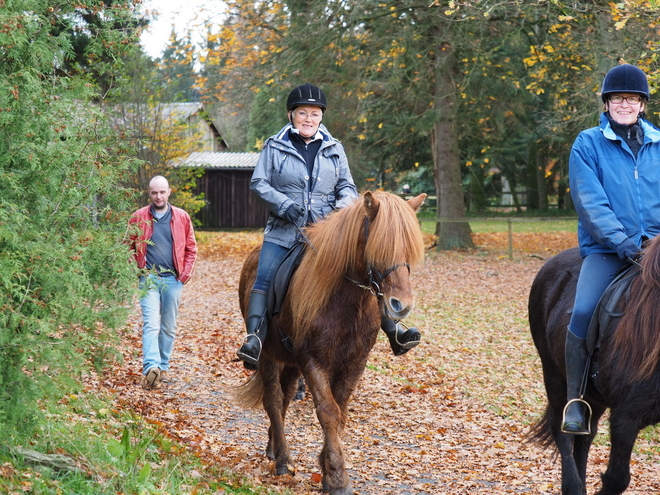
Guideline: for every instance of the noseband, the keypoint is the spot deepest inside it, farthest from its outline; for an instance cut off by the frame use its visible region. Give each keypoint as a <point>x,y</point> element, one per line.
<point>375,278</point>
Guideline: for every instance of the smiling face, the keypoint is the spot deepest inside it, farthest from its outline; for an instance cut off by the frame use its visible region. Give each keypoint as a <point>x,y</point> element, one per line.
<point>306,119</point>
<point>625,112</point>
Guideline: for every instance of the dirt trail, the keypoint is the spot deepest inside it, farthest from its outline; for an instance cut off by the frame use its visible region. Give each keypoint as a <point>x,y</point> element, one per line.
<point>450,417</point>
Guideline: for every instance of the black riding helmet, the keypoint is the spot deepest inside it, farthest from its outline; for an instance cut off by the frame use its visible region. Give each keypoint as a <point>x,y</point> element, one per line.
<point>306,94</point>
<point>625,78</point>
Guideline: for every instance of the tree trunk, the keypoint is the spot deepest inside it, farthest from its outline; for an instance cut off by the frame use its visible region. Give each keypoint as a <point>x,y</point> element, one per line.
<point>541,162</point>
<point>531,181</point>
<point>452,228</point>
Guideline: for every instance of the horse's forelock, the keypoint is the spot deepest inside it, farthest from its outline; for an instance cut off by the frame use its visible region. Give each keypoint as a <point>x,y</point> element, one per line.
<point>394,235</point>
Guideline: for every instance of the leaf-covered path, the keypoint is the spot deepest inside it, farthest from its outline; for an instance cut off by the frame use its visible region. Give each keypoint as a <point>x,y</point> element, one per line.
<point>449,417</point>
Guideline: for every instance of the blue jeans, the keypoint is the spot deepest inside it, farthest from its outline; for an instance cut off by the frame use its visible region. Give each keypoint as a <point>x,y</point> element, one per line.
<point>160,307</point>
<point>597,271</point>
<point>270,259</point>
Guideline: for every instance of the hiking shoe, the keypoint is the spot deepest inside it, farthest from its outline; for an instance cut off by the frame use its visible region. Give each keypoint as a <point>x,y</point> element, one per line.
<point>152,379</point>
<point>164,377</point>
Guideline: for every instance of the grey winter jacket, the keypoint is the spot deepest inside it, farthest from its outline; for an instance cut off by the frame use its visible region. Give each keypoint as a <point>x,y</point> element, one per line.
<point>281,179</point>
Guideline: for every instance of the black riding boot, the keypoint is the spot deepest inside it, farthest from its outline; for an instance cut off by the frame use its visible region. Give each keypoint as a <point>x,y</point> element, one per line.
<point>255,322</point>
<point>576,420</point>
<point>401,340</point>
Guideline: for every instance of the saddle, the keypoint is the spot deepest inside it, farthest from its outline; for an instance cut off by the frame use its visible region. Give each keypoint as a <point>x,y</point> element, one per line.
<point>608,310</point>
<point>280,286</point>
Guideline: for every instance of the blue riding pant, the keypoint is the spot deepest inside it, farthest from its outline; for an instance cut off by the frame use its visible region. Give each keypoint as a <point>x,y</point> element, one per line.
<point>270,259</point>
<point>597,271</point>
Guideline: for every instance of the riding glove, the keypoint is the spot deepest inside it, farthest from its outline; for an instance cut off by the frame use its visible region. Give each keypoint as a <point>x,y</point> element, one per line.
<point>294,213</point>
<point>627,250</point>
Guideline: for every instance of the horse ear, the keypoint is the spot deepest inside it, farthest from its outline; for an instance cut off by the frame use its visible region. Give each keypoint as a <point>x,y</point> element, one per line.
<point>417,202</point>
<point>371,204</point>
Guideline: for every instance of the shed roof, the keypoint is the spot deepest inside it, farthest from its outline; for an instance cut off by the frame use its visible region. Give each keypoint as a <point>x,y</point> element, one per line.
<point>220,160</point>
<point>180,110</point>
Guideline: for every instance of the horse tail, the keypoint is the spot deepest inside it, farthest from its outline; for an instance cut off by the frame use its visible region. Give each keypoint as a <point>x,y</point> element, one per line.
<point>541,432</point>
<point>249,394</point>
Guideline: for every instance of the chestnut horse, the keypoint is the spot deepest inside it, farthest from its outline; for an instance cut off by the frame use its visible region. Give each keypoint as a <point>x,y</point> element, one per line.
<point>624,378</point>
<point>357,260</point>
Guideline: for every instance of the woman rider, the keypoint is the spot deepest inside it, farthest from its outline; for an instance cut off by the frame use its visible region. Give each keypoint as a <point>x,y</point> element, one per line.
<point>301,176</point>
<point>614,173</point>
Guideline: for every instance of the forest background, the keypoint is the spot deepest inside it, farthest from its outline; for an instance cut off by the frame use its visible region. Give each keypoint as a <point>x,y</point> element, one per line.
<point>448,97</point>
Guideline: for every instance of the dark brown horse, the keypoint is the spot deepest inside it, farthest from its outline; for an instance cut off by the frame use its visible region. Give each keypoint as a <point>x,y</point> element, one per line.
<point>628,378</point>
<point>331,315</point>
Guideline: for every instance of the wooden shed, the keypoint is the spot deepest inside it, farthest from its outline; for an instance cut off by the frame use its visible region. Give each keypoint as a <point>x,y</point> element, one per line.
<point>226,188</point>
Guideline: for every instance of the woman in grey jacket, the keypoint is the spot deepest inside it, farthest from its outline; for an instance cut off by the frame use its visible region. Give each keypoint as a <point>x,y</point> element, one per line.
<point>301,176</point>
<point>614,173</point>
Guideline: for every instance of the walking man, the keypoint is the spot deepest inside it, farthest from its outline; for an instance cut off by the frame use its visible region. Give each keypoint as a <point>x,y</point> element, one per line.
<point>165,249</point>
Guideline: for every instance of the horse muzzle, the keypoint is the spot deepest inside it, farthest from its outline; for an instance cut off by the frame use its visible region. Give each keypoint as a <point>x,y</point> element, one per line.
<point>396,308</point>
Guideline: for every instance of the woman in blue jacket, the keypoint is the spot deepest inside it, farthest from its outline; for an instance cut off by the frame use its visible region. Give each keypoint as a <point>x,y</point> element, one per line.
<point>301,176</point>
<point>614,173</point>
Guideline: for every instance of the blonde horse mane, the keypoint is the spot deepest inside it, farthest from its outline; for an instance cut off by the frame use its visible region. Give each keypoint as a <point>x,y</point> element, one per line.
<point>337,249</point>
<point>637,338</point>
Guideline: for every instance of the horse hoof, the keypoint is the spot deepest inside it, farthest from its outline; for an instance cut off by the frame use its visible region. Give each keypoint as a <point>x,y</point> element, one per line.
<point>285,469</point>
<point>347,490</point>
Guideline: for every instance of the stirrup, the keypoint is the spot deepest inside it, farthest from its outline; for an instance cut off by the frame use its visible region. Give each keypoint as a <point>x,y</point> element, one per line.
<point>587,418</point>
<point>405,345</point>
<point>247,357</point>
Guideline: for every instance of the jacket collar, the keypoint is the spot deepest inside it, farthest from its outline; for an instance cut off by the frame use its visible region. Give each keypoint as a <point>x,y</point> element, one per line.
<point>651,132</point>
<point>322,133</point>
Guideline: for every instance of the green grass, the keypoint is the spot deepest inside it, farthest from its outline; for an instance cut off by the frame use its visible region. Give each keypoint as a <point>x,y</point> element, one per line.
<point>112,451</point>
<point>518,225</point>
<point>525,225</point>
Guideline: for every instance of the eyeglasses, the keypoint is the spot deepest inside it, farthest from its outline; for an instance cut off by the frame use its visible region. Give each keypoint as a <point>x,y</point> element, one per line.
<point>632,100</point>
<point>314,115</point>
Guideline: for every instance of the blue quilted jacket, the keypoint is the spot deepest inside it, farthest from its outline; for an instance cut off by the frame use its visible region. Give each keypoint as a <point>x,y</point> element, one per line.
<point>616,195</point>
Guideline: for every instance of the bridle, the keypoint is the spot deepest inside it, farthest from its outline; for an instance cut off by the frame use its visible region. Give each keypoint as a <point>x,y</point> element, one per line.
<point>375,278</point>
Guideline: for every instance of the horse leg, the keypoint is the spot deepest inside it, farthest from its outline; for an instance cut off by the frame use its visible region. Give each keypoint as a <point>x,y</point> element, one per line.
<point>572,472</point>
<point>277,447</point>
<point>289,385</point>
<point>342,391</point>
<point>335,479</point>
<point>583,443</point>
<point>623,435</point>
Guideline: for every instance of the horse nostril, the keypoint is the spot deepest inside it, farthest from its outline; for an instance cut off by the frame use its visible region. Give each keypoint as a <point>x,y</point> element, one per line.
<point>396,305</point>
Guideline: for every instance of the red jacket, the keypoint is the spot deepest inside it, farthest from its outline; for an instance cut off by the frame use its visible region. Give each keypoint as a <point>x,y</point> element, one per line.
<point>183,240</point>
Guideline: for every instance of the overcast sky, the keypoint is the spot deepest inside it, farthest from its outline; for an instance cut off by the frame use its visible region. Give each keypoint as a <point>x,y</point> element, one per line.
<point>184,15</point>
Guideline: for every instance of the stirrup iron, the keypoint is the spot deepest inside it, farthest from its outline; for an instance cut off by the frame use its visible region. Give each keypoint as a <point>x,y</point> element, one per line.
<point>405,345</point>
<point>587,418</point>
<point>246,357</point>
